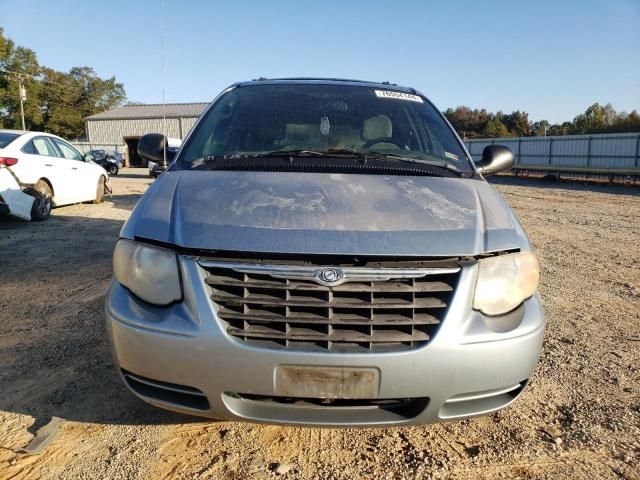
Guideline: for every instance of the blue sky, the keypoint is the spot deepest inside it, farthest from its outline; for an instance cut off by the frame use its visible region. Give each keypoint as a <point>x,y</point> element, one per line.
<point>549,58</point>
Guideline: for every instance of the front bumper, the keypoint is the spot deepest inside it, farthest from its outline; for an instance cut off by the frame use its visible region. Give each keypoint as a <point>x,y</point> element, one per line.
<point>181,358</point>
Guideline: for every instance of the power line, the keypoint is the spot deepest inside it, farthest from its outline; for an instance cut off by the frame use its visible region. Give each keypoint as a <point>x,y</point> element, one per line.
<point>57,94</point>
<point>44,80</point>
<point>17,73</point>
<point>60,102</point>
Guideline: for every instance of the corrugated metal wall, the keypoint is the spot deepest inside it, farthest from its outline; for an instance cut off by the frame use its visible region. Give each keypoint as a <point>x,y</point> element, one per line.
<point>584,152</point>
<point>187,124</point>
<point>114,131</point>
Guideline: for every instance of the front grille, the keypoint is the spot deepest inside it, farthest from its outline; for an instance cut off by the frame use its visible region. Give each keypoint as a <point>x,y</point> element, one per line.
<point>367,309</point>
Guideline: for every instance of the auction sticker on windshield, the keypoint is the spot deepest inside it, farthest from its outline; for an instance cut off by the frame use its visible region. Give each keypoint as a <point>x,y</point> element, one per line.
<point>398,95</point>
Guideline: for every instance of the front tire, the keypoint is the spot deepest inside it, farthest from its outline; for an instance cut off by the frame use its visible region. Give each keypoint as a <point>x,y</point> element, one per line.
<point>41,209</point>
<point>113,169</point>
<point>100,191</point>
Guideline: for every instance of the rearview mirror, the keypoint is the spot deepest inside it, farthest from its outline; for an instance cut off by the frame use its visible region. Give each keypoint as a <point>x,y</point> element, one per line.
<point>495,158</point>
<point>87,157</point>
<point>152,148</point>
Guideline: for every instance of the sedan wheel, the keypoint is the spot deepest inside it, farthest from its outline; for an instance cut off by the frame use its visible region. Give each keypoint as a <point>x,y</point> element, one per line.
<point>43,202</point>
<point>100,191</point>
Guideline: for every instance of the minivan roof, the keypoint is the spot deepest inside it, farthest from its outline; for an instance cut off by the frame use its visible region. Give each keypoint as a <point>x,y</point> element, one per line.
<point>327,81</point>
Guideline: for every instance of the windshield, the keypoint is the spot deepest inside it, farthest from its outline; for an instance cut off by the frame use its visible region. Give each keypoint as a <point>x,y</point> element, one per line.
<point>260,119</point>
<point>7,138</point>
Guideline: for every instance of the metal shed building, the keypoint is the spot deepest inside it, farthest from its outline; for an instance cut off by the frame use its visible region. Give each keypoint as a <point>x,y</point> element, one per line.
<point>123,126</point>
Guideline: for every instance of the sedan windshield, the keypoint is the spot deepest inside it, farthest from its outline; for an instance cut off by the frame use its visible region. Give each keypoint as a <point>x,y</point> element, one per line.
<point>312,119</point>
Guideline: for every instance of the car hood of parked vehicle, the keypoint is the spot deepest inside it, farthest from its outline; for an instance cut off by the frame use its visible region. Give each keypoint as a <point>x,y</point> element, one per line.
<point>317,213</point>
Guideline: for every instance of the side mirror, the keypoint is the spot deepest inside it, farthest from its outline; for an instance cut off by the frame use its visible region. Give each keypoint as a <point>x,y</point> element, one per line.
<point>152,148</point>
<point>87,157</point>
<point>495,158</point>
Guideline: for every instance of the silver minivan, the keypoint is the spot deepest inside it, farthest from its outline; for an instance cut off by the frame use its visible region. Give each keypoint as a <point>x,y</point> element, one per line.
<point>325,252</point>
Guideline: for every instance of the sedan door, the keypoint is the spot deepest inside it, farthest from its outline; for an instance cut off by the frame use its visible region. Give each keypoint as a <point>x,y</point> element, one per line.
<point>40,158</point>
<point>85,175</point>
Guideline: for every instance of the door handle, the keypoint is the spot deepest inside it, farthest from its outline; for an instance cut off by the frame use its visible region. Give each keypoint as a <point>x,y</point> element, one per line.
<point>48,164</point>
<point>74,168</point>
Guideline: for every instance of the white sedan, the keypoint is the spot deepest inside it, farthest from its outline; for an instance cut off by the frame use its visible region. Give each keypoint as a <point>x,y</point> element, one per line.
<point>39,171</point>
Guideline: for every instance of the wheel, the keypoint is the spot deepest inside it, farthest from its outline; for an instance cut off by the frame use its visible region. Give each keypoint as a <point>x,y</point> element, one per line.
<point>43,202</point>
<point>113,169</point>
<point>100,191</point>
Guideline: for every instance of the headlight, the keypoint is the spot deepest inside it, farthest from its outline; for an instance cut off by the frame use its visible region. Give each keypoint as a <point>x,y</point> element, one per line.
<point>151,273</point>
<point>505,281</point>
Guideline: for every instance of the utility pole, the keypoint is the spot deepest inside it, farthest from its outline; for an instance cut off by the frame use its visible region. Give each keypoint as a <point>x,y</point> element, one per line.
<point>22,92</point>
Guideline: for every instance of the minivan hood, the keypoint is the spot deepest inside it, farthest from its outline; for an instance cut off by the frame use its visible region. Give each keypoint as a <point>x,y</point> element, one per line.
<point>317,213</point>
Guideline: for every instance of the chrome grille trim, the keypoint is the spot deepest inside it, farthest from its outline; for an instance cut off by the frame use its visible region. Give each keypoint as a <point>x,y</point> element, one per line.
<point>364,309</point>
<point>350,274</point>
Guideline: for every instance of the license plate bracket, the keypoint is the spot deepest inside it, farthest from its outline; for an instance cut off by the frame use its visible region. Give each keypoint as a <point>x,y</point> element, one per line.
<point>327,382</point>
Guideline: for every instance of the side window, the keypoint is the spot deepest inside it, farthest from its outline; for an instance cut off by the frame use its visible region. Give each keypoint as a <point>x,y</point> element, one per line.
<point>43,146</point>
<point>68,151</point>
<point>29,148</point>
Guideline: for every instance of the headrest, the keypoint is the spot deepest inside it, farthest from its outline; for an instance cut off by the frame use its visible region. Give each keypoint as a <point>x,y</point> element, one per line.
<point>377,127</point>
<point>298,130</point>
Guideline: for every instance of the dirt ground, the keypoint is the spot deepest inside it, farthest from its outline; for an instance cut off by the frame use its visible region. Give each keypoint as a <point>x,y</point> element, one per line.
<point>580,417</point>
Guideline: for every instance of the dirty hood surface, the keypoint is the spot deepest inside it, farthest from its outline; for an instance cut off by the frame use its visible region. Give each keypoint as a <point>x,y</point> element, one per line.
<point>325,214</point>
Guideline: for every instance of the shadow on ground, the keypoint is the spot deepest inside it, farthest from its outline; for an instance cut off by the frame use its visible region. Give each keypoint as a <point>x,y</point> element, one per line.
<point>125,201</point>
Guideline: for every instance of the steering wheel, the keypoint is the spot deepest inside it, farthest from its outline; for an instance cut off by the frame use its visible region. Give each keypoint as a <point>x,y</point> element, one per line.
<point>374,141</point>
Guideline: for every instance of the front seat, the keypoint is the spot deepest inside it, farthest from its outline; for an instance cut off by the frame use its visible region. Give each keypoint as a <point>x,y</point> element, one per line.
<point>302,135</point>
<point>377,127</point>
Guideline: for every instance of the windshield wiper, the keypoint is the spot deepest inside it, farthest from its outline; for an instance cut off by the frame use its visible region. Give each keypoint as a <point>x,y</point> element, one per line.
<point>281,153</point>
<point>338,152</point>
<point>365,155</point>
<point>342,152</point>
<point>432,163</point>
<point>347,152</point>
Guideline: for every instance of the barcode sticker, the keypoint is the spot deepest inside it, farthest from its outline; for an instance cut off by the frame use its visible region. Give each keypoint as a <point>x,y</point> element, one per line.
<point>398,95</point>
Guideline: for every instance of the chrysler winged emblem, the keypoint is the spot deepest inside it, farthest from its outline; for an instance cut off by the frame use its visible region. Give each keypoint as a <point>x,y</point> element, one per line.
<point>329,275</point>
